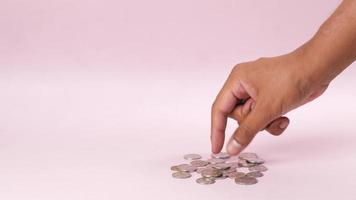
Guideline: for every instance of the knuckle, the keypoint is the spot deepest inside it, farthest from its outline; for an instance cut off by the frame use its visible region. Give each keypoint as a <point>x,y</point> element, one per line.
<point>236,68</point>
<point>261,59</point>
<point>216,109</point>
<point>214,106</point>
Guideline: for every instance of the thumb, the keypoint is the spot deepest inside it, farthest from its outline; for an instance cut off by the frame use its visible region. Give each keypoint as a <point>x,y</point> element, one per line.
<point>255,121</point>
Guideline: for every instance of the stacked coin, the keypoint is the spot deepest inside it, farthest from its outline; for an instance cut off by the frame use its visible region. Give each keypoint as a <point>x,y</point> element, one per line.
<point>244,171</point>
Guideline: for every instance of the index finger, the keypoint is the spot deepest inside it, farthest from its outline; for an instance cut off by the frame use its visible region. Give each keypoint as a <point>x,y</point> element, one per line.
<point>223,105</point>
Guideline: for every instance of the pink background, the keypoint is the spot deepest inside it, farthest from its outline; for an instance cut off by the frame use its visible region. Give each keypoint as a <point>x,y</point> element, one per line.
<point>100,98</point>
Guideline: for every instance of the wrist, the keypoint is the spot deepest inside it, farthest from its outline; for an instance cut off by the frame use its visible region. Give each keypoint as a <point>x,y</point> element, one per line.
<point>309,74</point>
<point>313,66</point>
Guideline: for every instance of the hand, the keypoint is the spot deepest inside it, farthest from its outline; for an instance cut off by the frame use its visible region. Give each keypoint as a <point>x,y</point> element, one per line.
<point>270,87</point>
<point>276,127</point>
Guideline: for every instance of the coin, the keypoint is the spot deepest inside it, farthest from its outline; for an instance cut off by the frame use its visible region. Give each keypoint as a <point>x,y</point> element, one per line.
<point>221,166</point>
<point>222,177</point>
<point>216,168</point>
<point>246,155</point>
<point>186,168</point>
<point>244,163</point>
<point>199,170</point>
<point>205,181</point>
<point>181,175</point>
<point>246,180</point>
<point>199,163</point>
<point>175,168</point>
<point>221,155</point>
<point>215,160</point>
<point>260,168</point>
<point>179,167</point>
<point>236,174</point>
<point>233,164</point>
<point>210,172</point>
<point>231,169</point>
<point>255,174</point>
<point>255,160</point>
<point>192,156</point>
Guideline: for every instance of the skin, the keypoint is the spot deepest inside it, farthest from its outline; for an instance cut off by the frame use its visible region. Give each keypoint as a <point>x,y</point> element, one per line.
<point>258,93</point>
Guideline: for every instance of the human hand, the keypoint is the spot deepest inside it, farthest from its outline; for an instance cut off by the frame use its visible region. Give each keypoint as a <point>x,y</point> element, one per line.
<point>269,87</point>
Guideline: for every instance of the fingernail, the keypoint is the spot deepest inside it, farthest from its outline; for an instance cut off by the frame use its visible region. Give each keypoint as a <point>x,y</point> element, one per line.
<point>233,147</point>
<point>283,124</point>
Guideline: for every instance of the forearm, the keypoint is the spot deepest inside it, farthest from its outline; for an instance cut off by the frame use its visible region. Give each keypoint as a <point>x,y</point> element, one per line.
<point>333,47</point>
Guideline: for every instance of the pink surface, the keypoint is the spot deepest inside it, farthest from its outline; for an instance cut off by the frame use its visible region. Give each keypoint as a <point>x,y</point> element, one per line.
<point>99,99</point>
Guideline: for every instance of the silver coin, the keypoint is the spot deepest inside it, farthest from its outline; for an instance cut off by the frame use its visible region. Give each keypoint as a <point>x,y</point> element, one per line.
<point>179,167</point>
<point>186,168</point>
<point>205,181</point>
<point>174,168</point>
<point>216,168</point>
<point>215,160</point>
<point>221,166</point>
<point>260,168</point>
<point>246,155</point>
<point>233,164</point>
<point>199,163</point>
<point>246,180</point>
<point>222,177</point>
<point>227,171</point>
<point>192,156</point>
<point>210,172</point>
<point>236,174</point>
<point>199,170</point>
<point>181,175</point>
<point>255,174</point>
<point>255,160</point>
<point>221,155</point>
<point>244,163</point>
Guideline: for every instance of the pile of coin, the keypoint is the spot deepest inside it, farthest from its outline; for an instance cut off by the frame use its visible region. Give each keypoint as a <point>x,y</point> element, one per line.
<point>245,170</point>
